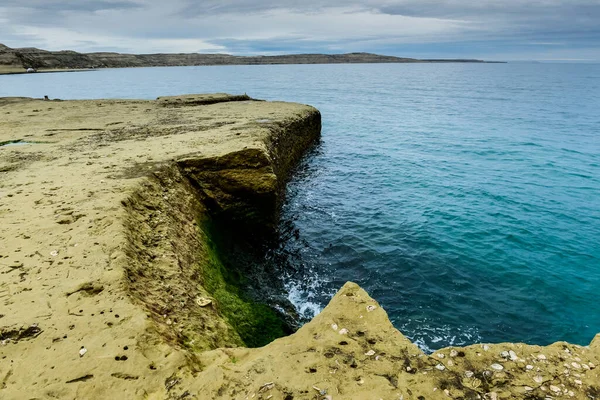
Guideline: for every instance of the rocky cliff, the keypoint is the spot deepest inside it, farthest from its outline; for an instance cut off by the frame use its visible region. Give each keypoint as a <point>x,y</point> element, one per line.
<point>41,59</point>
<point>128,233</point>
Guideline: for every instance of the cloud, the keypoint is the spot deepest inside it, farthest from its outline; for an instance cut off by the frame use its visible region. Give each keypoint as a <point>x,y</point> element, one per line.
<point>432,27</point>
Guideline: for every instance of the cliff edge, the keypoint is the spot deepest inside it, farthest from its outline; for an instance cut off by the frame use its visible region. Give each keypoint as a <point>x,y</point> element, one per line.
<point>129,230</point>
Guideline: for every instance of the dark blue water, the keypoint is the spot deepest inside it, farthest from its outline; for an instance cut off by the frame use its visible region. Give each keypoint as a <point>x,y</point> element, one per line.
<point>464,197</point>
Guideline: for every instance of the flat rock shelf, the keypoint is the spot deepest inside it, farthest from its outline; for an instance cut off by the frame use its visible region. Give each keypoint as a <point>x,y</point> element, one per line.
<point>115,281</point>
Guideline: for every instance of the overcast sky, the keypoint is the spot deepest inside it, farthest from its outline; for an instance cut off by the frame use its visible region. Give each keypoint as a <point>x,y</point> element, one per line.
<point>488,29</point>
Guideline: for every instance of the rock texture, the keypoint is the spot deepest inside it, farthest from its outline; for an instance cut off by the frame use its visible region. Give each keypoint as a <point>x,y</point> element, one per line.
<point>351,351</point>
<point>12,60</point>
<point>114,284</point>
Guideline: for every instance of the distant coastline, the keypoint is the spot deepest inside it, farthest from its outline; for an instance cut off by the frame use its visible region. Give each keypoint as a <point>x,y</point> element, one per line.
<point>15,61</point>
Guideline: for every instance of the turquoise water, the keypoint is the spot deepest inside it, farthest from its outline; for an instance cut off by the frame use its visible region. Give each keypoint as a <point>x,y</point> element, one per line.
<point>464,197</point>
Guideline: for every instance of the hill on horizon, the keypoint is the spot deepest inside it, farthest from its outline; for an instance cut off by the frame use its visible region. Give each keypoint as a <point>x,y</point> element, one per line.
<point>30,57</point>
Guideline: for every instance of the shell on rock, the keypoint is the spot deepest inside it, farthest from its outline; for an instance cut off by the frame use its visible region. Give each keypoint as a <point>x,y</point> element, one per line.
<point>497,367</point>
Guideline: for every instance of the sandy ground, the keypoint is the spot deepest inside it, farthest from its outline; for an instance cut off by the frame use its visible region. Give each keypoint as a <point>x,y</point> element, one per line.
<point>86,196</point>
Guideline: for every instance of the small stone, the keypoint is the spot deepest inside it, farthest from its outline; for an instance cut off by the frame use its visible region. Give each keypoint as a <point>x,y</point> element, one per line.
<point>555,389</point>
<point>505,354</point>
<point>469,374</point>
<point>334,327</point>
<point>541,357</point>
<point>529,367</point>
<point>592,365</point>
<point>538,379</point>
<point>343,331</point>
<point>408,369</point>
<point>453,353</point>
<point>513,355</point>
<point>450,363</point>
<point>497,367</point>
<point>440,355</point>
<point>203,301</point>
<point>82,351</point>
<point>486,347</point>
<point>441,367</point>
<point>575,365</point>
<point>492,395</point>
<point>447,392</point>
<point>371,308</point>
<point>578,382</point>
<point>54,253</point>
<point>370,353</point>
<point>528,388</point>
<point>267,386</point>
<point>586,366</point>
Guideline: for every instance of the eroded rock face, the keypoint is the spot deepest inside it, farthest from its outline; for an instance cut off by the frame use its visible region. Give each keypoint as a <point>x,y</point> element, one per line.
<point>110,282</point>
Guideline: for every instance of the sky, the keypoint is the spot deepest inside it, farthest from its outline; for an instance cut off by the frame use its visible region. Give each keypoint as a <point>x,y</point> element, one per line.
<point>510,30</point>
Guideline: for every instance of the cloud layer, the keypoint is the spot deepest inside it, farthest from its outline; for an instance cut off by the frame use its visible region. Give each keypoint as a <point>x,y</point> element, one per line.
<point>492,29</point>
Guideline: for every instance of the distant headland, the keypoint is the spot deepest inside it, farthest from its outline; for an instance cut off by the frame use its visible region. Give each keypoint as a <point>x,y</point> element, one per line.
<point>19,60</point>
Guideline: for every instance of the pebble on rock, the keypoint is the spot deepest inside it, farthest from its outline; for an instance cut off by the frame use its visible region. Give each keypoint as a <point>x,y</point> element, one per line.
<point>497,367</point>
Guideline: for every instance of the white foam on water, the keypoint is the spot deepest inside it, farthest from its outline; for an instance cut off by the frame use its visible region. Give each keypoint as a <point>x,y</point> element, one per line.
<point>301,299</point>
<point>431,338</point>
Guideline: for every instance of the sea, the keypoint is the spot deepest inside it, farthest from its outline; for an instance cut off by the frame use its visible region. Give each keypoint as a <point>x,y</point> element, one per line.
<point>464,197</point>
